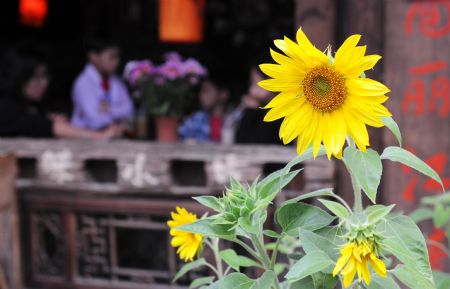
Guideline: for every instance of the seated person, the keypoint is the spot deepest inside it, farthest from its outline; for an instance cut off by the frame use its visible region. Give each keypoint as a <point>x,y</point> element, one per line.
<point>206,125</point>
<point>23,83</point>
<point>250,127</point>
<point>100,98</point>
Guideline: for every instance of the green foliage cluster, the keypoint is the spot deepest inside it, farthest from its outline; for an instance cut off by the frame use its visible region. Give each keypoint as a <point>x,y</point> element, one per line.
<point>437,210</point>
<point>304,251</point>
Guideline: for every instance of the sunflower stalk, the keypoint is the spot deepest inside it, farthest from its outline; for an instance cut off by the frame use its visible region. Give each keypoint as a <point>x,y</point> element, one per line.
<point>258,243</point>
<point>216,251</point>
<point>358,204</point>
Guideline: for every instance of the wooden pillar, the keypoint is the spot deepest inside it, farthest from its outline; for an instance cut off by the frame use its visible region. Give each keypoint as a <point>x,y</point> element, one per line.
<point>417,69</point>
<point>10,276</point>
<point>317,18</point>
<point>363,17</point>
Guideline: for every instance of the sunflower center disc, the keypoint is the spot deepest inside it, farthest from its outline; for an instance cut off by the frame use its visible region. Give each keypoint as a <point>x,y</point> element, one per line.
<point>324,88</point>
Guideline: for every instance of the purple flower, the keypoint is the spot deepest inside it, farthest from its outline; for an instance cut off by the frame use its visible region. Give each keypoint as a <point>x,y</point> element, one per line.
<point>193,68</point>
<point>137,69</point>
<point>171,69</point>
<point>172,56</point>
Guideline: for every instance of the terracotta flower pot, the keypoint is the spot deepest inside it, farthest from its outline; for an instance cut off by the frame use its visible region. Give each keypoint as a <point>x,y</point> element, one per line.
<point>166,129</point>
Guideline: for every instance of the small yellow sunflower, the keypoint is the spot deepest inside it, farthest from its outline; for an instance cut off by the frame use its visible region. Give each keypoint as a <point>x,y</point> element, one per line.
<point>188,243</point>
<point>324,100</point>
<point>356,258</point>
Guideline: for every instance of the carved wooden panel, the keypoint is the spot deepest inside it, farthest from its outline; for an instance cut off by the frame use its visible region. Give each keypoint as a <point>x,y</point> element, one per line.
<point>96,242</point>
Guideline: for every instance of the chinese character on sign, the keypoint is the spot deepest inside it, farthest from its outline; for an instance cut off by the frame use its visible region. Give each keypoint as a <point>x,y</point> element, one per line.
<point>432,17</point>
<point>57,166</point>
<point>136,173</point>
<point>421,97</point>
<point>436,250</point>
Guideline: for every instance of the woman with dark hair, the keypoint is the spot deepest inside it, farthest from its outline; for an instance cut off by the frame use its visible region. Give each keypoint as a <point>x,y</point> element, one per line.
<point>23,83</point>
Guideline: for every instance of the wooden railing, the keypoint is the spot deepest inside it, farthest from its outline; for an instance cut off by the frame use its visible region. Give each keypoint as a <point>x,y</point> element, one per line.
<point>94,213</point>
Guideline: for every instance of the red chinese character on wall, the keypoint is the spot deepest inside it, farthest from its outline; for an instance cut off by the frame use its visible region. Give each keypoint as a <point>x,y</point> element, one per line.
<point>421,97</point>
<point>436,250</point>
<point>433,18</point>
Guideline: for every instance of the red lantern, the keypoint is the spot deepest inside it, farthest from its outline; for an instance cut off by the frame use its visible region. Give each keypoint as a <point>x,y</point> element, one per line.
<point>181,20</point>
<point>33,12</point>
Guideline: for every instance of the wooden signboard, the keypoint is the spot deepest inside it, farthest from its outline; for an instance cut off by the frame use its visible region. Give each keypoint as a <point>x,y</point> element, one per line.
<point>417,69</point>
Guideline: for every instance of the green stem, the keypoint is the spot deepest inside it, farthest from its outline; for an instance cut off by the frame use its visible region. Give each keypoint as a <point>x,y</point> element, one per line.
<point>249,250</point>
<point>214,245</point>
<point>275,252</point>
<point>357,206</point>
<point>218,258</point>
<point>259,246</point>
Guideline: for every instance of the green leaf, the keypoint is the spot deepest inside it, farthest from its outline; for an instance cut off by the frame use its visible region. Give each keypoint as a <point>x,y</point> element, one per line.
<point>305,283</point>
<point>397,154</point>
<point>201,281</point>
<point>324,281</point>
<point>269,190</point>
<point>208,228</point>
<point>377,212</point>
<point>443,199</point>
<point>413,278</point>
<point>308,154</point>
<point>311,263</point>
<point>247,262</point>
<point>328,192</point>
<point>421,214</point>
<point>279,268</point>
<point>393,127</point>
<point>441,215</point>
<point>247,226</point>
<point>366,169</point>
<point>265,281</point>
<point>271,234</point>
<point>230,257</point>
<point>336,208</point>
<point>236,281</point>
<point>299,215</point>
<point>235,261</point>
<point>210,202</point>
<point>383,283</point>
<point>442,280</point>
<point>188,267</point>
<point>316,281</point>
<point>405,241</point>
<point>312,241</point>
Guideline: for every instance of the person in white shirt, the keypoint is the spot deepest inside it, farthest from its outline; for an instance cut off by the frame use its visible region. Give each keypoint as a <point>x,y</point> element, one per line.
<point>100,97</point>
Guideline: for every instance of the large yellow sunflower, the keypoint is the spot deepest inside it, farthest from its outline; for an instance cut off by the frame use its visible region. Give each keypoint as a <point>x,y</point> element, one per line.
<point>188,243</point>
<point>324,100</point>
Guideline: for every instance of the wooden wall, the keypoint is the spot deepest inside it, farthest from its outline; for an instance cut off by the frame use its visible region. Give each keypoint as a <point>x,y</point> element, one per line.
<point>9,225</point>
<point>416,68</point>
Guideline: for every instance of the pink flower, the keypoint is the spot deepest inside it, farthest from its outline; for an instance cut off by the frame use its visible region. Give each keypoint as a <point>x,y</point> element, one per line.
<point>171,69</point>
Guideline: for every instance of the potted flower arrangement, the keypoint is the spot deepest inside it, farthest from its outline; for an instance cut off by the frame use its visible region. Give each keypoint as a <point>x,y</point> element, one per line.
<point>326,102</point>
<point>165,90</point>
